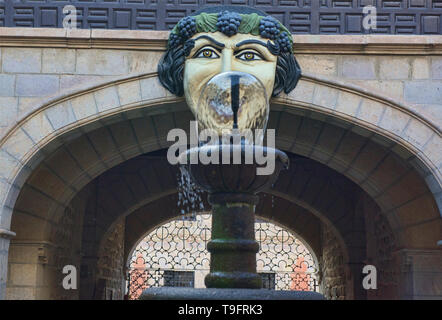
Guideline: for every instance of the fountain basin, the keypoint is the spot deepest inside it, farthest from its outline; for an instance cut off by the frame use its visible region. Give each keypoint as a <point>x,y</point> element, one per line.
<point>236,167</point>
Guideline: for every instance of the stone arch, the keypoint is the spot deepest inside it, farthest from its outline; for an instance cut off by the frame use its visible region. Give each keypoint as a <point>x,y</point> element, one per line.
<point>154,209</point>
<point>37,139</point>
<point>22,147</point>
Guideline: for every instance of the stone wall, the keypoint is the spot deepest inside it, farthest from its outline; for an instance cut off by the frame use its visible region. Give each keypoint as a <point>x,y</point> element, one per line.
<point>381,245</point>
<point>35,267</point>
<point>333,267</point>
<point>29,75</point>
<point>110,265</point>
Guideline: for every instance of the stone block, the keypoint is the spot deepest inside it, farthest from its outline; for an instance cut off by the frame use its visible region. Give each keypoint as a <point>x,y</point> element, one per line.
<point>303,91</point>
<point>423,92</point>
<point>151,88</point>
<point>101,62</point>
<point>348,103</point>
<point>433,149</point>
<point>318,64</point>
<point>107,99</point>
<point>20,293</point>
<point>18,144</point>
<point>388,88</point>
<point>58,60</point>
<point>358,67</point>
<point>60,115</point>
<point>38,127</point>
<point>7,85</point>
<point>325,97</point>
<point>421,68</point>
<point>36,85</point>
<point>78,82</point>
<point>28,104</point>
<point>371,111</point>
<point>84,106</point>
<point>8,110</point>
<point>391,68</point>
<point>21,60</point>
<point>22,274</point>
<point>417,133</point>
<point>129,92</point>
<point>436,68</point>
<point>394,121</point>
<point>143,61</point>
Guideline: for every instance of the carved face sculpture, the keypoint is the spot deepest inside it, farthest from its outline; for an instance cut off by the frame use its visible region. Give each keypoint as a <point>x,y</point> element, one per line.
<point>225,39</point>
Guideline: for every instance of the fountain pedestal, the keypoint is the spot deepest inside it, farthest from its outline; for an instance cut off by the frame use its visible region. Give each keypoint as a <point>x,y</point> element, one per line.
<point>232,189</point>
<point>233,247</point>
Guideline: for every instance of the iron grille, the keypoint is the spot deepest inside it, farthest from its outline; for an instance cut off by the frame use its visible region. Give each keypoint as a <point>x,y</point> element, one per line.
<point>301,16</point>
<point>175,254</point>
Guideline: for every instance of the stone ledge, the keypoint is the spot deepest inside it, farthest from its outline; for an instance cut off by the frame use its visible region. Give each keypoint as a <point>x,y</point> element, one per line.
<point>169,293</point>
<point>156,41</point>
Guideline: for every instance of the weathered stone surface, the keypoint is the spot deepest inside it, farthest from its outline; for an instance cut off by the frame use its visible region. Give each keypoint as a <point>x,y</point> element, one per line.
<point>436,68</point>
<point>71,82</point>
<point>325,97</point>
<point>348,103</point>
<point>107,99</point>
<point>58,60</point>
<point>388,88</point>
<point>318,64</point>
<point>303,91</point>
<point>7,85</point>
<point>8,110</point>
<point>417,133</point>
<point>38,127</point>
<point>84,106</point>
<point>358,67</point>
<point>424,92</point>
<point>394,121</point>
<point>101,62</point>
<point>18,144</point>
<point>143,61</point>
<point>21,60</point>
<point>129,92</point>
<point>421,68</point>
<point>60,115</point>
<point>36,85</point>
<point>371,111</point>
<point>151,88</point>
<point>392,68</point>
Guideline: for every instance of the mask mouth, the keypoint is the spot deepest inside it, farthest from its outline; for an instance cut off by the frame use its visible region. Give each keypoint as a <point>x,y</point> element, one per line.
<point>233,102</point>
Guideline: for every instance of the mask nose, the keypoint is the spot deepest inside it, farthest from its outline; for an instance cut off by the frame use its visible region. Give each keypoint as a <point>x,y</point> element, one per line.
<point>227,60</point>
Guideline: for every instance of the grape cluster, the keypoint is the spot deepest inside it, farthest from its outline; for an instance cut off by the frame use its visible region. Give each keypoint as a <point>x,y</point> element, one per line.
<point>187,27</point>
<point>175,40</point>
<point>228,22</point>
<point>269,28</point>
<point>284,42</point>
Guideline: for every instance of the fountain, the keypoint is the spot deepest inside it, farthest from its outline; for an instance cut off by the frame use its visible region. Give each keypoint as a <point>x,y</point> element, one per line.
<point>230,161</point>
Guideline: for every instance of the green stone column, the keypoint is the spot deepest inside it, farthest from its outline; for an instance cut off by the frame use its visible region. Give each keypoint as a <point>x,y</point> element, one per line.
<point>233,246</point>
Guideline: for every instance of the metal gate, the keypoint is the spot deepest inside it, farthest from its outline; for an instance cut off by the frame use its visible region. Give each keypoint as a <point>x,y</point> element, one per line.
<point>175,254</point>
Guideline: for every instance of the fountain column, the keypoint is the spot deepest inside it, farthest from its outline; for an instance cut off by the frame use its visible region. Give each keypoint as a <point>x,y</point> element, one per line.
<point>233,247</point>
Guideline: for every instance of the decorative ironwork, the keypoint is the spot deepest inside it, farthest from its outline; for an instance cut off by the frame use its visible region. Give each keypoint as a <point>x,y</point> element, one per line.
<point>175,254</point>
<point>300,16</point>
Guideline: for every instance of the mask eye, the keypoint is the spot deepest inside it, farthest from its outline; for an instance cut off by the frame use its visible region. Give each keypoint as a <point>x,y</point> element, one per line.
<point>207,53</point>
<point>249,56</point>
